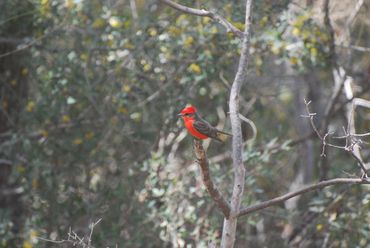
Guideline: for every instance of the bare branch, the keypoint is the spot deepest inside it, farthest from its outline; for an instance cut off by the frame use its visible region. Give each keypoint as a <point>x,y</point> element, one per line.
<point>339,80</point>
<point>206,13</point>
<point>251,124</point>
<point>360,163</point>
<point>354,13</point>
<point>74,239</point>
<point>313,187</point>
<point>350,141</point>
<point>355,135</point>
<point>9,40</point>
<point>217,197</point>
<point>353,47</point>
<point>135,16</point>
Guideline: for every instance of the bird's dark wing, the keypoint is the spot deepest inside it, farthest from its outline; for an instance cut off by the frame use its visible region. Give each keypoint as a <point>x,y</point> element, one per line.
<point>205,128</point>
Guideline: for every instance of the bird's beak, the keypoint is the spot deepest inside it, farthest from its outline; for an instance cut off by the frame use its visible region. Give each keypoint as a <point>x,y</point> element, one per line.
<point>179,115</point>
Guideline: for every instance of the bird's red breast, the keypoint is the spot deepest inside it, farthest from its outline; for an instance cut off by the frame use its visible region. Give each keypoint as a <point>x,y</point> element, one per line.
<point>190,127</point>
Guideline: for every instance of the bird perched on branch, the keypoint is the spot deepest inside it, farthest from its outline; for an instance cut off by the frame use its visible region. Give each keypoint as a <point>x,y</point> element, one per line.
<point>200,128</point>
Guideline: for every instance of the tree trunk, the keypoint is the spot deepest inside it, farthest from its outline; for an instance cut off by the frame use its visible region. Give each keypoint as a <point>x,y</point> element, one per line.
<point>229,227</point>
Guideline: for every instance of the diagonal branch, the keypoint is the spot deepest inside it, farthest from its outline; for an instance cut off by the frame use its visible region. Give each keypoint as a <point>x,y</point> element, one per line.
<point>217,197</point>
<point>206,13</point>
<point>313,187</point>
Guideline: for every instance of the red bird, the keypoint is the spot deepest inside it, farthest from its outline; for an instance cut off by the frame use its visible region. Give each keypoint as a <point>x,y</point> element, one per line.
<point>200,128</point>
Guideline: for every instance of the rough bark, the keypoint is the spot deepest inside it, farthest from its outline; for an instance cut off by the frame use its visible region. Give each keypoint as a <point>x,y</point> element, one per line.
<point>217,197</point>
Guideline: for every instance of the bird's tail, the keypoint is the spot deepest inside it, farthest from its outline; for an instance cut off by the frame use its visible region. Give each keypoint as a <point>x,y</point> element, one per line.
<point>223,136</point>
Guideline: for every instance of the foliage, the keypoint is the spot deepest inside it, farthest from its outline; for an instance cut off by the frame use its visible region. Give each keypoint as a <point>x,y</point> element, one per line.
<point>98,136</point>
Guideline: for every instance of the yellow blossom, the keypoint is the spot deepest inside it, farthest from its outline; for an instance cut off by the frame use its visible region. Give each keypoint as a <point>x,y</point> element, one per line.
<point>69,4</point>
<point>293,60</point>
<point>296,32</point>
<point>126,88</point>
<point>27,244</point>
<point>13,82</point>
<point>275,49</point>
<point>147,67</point>
<point>152,32</point>
<point>84,57</point>
<point>214,30</point>
<point>77,141</point>
<point>44,133</point>
<point>45,7</point>
<point>98,23</point>
<point>89,135</point>
<point>181,19</point>
<point>258,61</point>
<point>264,21</point>
<point>24,71</point>
<point>33,236</point>
<point>66,118</point>
<point>239,25</point>
<point>128,45</point>
<point>174,31</point>
<point>206,20</point>
<point>35,183</point>
<point>136,116</point>
<point>195,68</point>
<point>188,41</point>
<point>20,168</point>
<point>122,110</point>
<point>126,23</point>
<point>319,227</point>
<point>313,52</point>
<point>115,22</point>
<point>30,106</point>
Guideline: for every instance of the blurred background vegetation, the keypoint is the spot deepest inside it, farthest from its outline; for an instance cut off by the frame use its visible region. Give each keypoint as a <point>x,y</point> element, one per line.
<point>89,94</point>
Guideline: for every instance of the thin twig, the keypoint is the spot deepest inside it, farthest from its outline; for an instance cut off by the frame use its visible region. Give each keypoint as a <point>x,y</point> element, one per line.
<point>92,225</point>
<point>74,238</point>
<point>361,164</point>
<point>310,116</point>
<point>251,124</point>
<point>287,196</point>
<point>206,13</point>
<point>354,135</point>
<point>350,141</point>
<point>33,42</point>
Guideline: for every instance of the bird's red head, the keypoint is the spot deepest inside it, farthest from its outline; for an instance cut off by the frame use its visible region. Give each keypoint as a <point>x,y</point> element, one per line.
<point>188,110</point>
<point>188,113</point>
